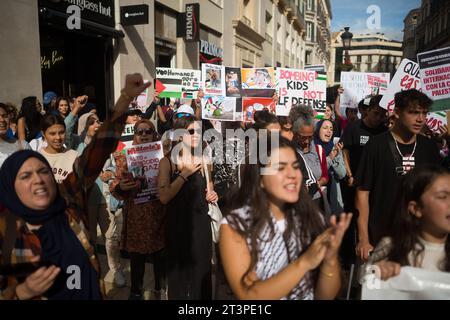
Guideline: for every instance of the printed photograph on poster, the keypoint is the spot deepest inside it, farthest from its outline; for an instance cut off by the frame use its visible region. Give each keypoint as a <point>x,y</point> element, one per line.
<point>213,79</point>
<point>251,105</point>
<point>435,77</point>
<point>258,82</point>
<point>407,77</point>
<point>221,108</point>
<point>300,87</point>
<point>360,85</point>
<point>233,82</point>
<point>177,83</point>
<point>143,166</point>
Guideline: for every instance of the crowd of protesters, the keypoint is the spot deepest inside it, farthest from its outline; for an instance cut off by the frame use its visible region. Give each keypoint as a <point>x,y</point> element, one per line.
<point>363,187</point>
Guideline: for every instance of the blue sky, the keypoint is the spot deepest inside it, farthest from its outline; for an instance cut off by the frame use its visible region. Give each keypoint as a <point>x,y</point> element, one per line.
<point>353,14</point>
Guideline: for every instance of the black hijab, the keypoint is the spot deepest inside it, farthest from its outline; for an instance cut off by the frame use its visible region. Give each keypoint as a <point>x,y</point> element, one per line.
<point>60,246</point>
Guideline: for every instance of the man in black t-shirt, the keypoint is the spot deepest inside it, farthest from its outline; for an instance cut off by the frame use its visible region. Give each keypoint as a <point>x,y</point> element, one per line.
<point>355,138</point>
<point>385,160</point>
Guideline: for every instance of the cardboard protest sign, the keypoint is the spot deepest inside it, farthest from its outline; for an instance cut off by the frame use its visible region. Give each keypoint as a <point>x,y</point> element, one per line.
<point>233,82</point>
<point>435,120</point>
<point>251,105</point>
<point>222,108</point>
<point>213,79</point>
<point>177,83</point>
<point>407,77</point>
<point>359,85</point>
<point>435,77</point>
<point>300,87</point>
<point>258,82</point>
<point>143,164</point>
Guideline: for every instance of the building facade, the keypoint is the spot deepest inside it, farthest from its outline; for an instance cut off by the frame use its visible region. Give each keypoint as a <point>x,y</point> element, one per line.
<point>427,28</point>
<point>45,55</point>
<point>318,36</point>
<point>368,53</point>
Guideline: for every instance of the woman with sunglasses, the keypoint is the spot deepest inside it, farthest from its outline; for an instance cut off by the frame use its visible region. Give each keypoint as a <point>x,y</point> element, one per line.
<point>143,226</point>
<point>183,189</point>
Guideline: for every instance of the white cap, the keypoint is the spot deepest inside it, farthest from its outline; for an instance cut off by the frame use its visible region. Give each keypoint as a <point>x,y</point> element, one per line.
<point>185,109</point>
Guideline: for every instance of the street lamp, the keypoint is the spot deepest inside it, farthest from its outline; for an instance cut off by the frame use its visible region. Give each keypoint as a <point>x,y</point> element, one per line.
<point>346,43</point>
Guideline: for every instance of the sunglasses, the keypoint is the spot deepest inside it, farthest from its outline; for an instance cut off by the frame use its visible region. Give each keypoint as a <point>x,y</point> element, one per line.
<point>143,132</point>
<point>194,131</point>
<point>182,115</point>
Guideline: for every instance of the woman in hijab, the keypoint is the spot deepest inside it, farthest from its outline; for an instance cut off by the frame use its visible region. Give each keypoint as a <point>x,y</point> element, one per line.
<point>55,215</point>
<point>332,161</point>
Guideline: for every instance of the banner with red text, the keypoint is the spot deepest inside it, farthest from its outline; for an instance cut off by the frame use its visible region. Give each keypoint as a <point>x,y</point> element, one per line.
<point>143,165</point>
<point>435,77</point>
<point>407,77</point>
<point>300,87</point>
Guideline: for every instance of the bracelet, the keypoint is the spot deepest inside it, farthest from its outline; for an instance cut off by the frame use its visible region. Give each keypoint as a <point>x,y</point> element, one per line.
<point>125,95</point>
<point>185,179</point>
<point>329,275</point>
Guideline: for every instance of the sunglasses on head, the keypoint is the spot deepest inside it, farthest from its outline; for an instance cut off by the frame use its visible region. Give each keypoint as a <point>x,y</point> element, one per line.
<point>142,132</point>
<point>182,115</point>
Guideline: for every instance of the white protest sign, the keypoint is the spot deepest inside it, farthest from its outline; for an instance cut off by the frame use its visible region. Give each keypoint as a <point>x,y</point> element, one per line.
<point>435,120</point>
<point>222,108</point>
<point>435,77</point>
<point>359,85</point>
<point>407,77</point>
<point>213,80</point>
<point>143,164</point>
<point>300,87</point>
<point>177,83</point>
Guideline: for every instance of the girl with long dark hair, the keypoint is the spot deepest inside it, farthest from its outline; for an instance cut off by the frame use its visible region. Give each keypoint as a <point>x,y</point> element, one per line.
<point>274,239</point>
<point>29,119</point>
<point>418,235</point>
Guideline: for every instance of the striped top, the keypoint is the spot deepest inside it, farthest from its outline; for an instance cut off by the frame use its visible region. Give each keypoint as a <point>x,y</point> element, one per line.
<point>274,254</point>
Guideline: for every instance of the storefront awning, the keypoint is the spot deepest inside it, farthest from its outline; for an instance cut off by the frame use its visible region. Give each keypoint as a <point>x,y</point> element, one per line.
<point>59,19</point>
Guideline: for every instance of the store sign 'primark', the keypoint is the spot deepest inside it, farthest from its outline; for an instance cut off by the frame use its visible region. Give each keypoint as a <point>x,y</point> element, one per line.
<point>192,22</point>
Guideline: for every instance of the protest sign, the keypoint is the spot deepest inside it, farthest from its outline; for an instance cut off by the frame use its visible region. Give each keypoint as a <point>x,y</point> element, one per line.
<point>300,87</point>
<point>319,68</point>
<point>359,85</point>
<point>407,77</point>
<point>143,164</point>
<point>126,139</point>
<point>258,82</point>
<point>233,80</point>
<point>435,120</point>
<point>213,79</point>
<point>141,102</point>
<point>251,105</point>
<point>435,77</point>
<point>222,108</point>
<point>177,83</point>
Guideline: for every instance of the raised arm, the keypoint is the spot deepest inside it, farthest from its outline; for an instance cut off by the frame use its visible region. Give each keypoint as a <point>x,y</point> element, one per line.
<point>90,164</point>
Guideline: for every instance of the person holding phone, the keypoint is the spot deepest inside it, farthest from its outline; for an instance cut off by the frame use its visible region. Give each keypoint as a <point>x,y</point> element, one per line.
<point>55,214</point>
